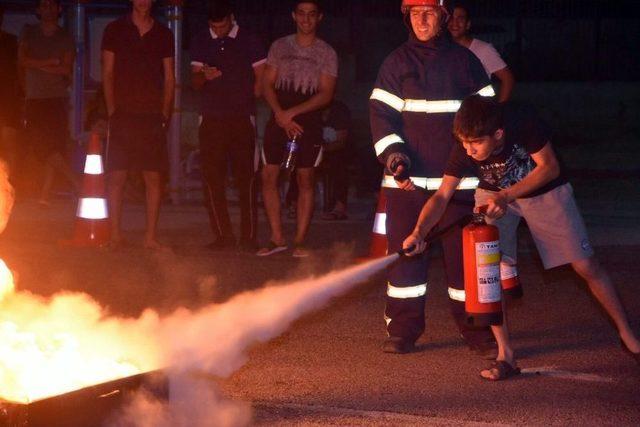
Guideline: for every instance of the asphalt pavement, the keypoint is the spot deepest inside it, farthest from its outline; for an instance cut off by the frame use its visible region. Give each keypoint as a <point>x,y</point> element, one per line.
<point>328,369</point>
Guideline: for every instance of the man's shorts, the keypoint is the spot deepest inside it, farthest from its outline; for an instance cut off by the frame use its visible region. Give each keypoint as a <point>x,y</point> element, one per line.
<point>309,145</point>
<point>555,223</point>
<point>137,141</point>
<point>47,127</point>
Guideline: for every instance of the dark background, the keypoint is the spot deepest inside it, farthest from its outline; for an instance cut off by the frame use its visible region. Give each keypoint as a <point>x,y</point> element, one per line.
<point>541,40</point>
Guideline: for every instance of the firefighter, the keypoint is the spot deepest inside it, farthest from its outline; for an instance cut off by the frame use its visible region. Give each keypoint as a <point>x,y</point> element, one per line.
<point>419,88</point>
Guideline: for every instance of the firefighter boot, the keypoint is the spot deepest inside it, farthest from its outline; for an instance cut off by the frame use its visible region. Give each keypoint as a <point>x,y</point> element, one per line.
<point>398,345</point>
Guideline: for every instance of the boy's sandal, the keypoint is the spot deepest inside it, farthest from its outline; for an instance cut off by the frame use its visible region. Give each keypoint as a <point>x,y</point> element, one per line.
<point>300,251</point>
<point>334,216</point>
<point>271,248</point>
<point>500,370</point>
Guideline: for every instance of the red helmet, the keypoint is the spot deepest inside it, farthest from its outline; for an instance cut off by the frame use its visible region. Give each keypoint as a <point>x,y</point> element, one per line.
<point>406,4</point>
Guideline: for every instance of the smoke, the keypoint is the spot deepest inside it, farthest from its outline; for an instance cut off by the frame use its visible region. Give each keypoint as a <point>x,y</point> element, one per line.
<point>53,345</point>
<point>214,340</point>
<point>66,342</point>
<point>194,402</point>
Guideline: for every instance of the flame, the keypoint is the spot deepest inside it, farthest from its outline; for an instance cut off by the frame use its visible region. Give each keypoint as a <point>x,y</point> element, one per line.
<point>52,346</point>
<point>6,281</point>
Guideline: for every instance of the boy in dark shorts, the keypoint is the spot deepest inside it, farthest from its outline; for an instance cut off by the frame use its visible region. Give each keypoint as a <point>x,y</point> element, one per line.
<point>138,81</point>
<point>509,150</point>
<point>299,82</point>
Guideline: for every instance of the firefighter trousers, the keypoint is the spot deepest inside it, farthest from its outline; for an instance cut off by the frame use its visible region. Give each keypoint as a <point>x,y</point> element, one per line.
<point>407,284</point>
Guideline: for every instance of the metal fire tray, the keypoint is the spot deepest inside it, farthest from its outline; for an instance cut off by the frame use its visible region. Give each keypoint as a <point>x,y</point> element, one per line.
<point>86,407</point>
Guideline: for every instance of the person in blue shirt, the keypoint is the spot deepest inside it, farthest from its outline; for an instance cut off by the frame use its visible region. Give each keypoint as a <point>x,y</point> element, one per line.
<point>227,64</point>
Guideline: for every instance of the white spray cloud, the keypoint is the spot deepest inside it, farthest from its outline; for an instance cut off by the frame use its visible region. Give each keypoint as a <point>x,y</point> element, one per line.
<point>72,330</point>
<point>215,340</point>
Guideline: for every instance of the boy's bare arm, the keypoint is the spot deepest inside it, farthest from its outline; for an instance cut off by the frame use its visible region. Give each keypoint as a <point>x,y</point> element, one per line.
<point>269,92</point>
<point>63,67</point>
<point>321,99</point>
<point>430,214</point>
<point>25,61</point>
<point>197,77</point>
<point>169,86</point>
<point>434,207</point>
<point>268,88</point>
<point>108,59</point>
<point>258,72</point>
<point>547,169</point>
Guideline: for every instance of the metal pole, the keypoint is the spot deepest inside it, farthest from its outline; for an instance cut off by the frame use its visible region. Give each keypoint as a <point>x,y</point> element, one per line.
<point>78,75</point>
<point>174,18</point>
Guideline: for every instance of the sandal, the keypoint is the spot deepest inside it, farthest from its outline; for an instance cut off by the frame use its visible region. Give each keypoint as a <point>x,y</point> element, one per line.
<point>300,251</point>
<point>502,371</point>
<point>334,216</point>
<point>271,248</point>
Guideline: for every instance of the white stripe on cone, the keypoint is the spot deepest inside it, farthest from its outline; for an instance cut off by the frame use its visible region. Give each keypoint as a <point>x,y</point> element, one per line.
<point>380,224</point>
<point>457,294</point>
<point>92,208</point>
<point>508,268</point>
<point>93,165</point>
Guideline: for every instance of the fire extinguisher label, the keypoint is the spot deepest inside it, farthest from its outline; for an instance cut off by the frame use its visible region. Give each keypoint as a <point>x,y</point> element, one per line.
<point>488,271</point>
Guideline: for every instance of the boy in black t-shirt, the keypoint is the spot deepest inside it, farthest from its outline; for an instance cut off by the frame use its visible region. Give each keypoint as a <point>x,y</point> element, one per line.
<point>510,151</point>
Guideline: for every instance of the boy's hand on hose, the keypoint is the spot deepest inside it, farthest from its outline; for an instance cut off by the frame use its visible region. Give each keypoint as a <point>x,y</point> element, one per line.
<point>415,240</point>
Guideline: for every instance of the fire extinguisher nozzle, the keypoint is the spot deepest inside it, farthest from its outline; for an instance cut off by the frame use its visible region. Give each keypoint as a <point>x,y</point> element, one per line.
<point>405,251</point>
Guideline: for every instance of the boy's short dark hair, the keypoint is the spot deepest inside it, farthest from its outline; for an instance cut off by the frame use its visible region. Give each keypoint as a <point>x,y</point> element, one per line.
<point>295,4</point>
<point>461,4</point>
<point>478,116</point>
<point>57,2</point>
<point>219,10</point>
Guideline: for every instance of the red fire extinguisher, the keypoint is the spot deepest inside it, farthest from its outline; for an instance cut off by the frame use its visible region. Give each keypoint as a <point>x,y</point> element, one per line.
<point>481,253</point>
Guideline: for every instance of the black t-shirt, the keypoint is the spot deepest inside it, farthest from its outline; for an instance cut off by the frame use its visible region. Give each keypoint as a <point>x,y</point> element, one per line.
<point>138,70</point>
<point>525,134</point>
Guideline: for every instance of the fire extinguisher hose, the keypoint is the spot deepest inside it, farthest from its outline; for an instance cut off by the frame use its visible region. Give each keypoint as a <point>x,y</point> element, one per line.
<point>435,235</point>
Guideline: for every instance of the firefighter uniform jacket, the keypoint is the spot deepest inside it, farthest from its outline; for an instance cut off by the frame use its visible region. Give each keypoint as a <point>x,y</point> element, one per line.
<point>419,88</point>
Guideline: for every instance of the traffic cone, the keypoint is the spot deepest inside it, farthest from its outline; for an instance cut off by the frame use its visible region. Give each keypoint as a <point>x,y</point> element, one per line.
<point>378,245</point>
<point>92,218</point>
